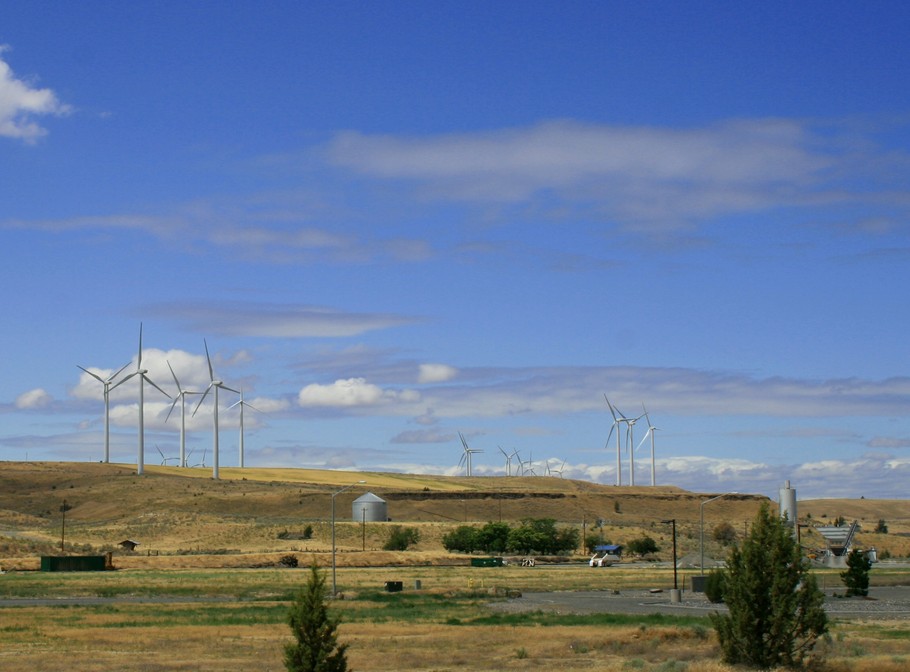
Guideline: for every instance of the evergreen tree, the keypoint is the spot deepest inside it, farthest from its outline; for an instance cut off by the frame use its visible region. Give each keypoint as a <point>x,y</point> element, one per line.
<point>856,576</point>
<point>776,612</point>
<point>316,648</point>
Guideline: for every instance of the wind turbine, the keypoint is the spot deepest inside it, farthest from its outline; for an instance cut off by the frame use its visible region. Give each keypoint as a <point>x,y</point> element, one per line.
<point>466,457</point>
<point>241,404</point>
<point>617,419</point>
<point>630,444</point>
<point>181,397</point>
<point>508,461</point>
<point>515,454</point>
<point>107,406</point>
<point>143,379</point>
<point>651,430</point>
<point>164,460</point>
<point>214,385</point>
<point>559,471</point>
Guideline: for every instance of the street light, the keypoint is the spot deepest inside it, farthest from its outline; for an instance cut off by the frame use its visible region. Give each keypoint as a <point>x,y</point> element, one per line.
<point>334,495</point>
<point>702,536</point>
<point>672,521</point>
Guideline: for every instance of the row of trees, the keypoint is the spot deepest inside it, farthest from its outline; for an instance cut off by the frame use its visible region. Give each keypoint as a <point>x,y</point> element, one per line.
<point>533,535</point>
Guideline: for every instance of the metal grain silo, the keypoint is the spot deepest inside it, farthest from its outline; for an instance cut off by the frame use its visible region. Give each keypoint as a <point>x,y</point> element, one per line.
<point>370,509</point>
<point>788,504</point>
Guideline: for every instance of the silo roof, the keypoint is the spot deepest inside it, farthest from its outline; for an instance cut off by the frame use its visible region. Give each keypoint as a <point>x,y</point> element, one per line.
<point>369,497</point>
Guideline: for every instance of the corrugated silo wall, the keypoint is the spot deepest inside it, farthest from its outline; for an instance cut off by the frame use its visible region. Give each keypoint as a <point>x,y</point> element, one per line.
<point>370,512</point>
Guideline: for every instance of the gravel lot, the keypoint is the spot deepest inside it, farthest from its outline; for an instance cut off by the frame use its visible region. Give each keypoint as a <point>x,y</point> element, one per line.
<point>885,603</point>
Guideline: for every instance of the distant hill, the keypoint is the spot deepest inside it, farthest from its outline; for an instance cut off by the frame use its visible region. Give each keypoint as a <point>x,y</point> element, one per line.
<point>174,510</point>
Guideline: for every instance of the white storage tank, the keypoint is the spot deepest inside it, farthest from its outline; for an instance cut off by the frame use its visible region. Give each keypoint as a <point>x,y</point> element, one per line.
<point>369,509</point>
<point>788,504</point>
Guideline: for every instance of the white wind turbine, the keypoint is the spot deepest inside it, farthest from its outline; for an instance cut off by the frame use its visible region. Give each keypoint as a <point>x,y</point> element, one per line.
<point>241,404</point>
<point>630,444</point>
<point>107,406</point>
<point>143,379</point>
<point>466,456</point>
<point>617,420</point>
<point>650,432</point>
<point>181,397</point>
<point>214,385</point>
<point>518,469</point>
<point>508,461</point>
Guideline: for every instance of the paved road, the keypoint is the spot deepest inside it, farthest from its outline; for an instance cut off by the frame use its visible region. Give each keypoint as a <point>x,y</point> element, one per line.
<point>890,602</point>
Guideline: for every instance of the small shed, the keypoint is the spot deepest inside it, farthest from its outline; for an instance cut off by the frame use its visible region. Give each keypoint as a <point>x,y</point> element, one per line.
<point>128,544</point>
<point>612,549</point>
<point>369,509</point>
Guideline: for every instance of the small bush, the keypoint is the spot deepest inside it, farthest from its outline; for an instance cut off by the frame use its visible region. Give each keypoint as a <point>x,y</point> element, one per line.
<point>642,546</point>
<point>400,538</point>
<point>882,526</point>
<point>715,586</point>
<point>289,560</point>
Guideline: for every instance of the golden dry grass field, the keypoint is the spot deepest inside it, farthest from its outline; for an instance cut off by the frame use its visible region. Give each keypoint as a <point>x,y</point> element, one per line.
<point>202,591</point>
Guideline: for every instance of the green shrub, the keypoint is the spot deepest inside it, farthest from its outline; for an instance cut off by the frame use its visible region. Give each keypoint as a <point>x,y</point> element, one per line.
<point>400,538</point>
<point>715,585</point>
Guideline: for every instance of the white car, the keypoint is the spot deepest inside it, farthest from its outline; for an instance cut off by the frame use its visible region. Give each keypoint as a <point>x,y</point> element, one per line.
<point>603,560</point>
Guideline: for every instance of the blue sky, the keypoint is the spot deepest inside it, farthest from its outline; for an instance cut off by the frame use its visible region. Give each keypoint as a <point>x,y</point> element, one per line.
<point>394,222</point>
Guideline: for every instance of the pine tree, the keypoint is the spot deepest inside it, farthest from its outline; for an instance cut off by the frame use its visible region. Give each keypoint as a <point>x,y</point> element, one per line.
<point>776,612</point>
<point>856,576</point>
<point>316,648</point>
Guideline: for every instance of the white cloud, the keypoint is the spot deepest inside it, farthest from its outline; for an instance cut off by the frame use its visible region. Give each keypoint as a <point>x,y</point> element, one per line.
<point>235,318</point>
<point>352,392</point>
<point>436,373</point>
<point>652,177</point>
<point>20,103</point>
<point>37,398</point>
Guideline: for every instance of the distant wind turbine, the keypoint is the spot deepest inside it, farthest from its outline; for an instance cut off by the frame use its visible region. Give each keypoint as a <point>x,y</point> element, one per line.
<point>650,432</point>
<point>630,429</point>
<point>143,379</point>
<point>617,419</point>
<point>466,456</point>
<point>508,461</point>
<point>181,397</point>
<point>241,404</point>
<point>213,385</point>
<point>107,406</point>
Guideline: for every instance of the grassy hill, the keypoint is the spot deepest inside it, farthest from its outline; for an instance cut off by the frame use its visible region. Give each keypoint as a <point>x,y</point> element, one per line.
<point>175,512</point>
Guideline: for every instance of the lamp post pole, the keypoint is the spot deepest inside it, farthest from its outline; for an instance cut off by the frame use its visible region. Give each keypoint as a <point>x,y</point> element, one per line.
<point>672,522</point>
<point>702,526</point>
<point>334,495</point>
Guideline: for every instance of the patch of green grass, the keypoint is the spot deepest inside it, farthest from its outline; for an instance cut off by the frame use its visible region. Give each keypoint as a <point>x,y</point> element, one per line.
<point>549,618</point>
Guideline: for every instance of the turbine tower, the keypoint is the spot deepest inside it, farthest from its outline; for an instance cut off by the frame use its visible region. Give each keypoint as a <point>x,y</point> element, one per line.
<point>651,430</point>
<point>143,379</point>
<point>617,419</point>
<point>241,404</point>
<point>107,406</point>
<point>630,444</point>
<point>214,385</point>
<point>508,461</point>
<point>181,397</point>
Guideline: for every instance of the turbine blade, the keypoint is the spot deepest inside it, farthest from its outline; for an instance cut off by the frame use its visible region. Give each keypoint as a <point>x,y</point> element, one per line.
<point>119,371</point>
<point>204,395</point>
<point>209,360</point>
<point>123,380</point>
<point>152,383</point>
<point>139,361</point>
<point>176,399</point>
<point>176,382</point>
<point>93,375</point>
<point>229,389</point>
